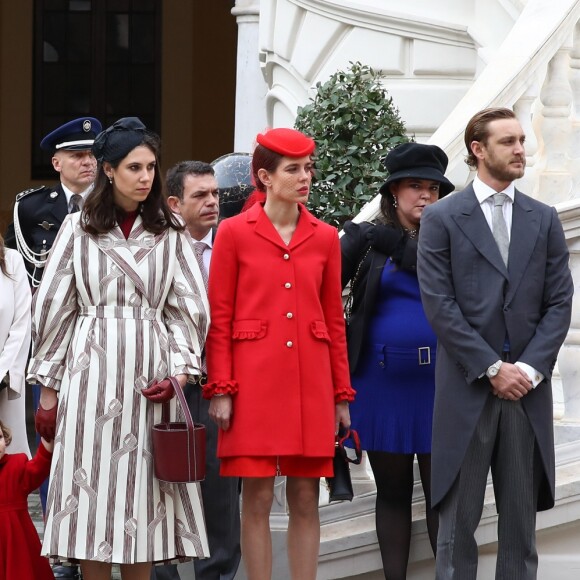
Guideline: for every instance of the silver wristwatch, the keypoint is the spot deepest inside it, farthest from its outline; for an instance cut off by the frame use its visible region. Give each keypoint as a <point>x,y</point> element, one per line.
<point>493,369</point>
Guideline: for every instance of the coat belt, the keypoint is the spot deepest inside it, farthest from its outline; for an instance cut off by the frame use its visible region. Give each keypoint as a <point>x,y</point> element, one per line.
<point>123,312</point>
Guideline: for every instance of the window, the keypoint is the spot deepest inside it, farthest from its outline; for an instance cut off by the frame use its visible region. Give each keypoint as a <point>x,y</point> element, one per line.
<point>99,58</point>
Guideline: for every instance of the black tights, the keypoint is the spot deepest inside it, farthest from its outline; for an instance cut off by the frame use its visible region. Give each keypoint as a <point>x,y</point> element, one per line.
<point>394,479</point>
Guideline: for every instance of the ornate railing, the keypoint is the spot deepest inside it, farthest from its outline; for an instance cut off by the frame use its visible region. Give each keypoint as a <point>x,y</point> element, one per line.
<point>536,71</point>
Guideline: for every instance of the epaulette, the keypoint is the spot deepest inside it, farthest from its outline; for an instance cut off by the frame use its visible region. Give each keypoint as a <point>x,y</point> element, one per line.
<point>26,192</point>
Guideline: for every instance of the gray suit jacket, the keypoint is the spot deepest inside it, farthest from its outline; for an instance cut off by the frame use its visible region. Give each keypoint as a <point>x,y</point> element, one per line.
<point>472,302</point>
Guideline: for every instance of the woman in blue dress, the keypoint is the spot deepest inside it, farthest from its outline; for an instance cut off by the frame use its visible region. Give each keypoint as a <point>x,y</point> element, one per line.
<point>392,347</point>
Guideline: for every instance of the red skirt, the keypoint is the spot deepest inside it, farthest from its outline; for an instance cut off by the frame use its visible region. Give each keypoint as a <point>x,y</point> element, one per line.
<point>289,465</point>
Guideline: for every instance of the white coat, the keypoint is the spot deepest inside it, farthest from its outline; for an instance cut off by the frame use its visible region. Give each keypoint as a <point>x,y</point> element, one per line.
<point>110,316</point>
<point>15,299</point>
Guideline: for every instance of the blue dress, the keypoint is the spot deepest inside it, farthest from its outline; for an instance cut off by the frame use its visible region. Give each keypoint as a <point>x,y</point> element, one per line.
<point>395,378</point>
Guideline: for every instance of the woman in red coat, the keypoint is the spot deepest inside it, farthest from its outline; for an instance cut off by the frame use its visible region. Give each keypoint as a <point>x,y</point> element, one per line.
<point>278,372</point>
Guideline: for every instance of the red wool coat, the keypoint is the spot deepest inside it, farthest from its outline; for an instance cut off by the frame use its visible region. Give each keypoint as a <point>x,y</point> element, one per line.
<point>277,335</point>
<point>20,557</point>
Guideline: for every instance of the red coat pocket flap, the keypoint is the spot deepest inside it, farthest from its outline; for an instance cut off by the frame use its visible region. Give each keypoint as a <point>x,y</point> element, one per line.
<point>319,330</point>
<point>249,329</point>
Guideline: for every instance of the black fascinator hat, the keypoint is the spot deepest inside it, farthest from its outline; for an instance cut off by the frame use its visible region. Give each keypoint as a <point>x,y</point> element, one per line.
<point>119,139</point>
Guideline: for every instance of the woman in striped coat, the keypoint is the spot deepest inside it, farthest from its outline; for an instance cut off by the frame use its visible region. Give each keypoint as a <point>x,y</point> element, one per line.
<point>121,307</point>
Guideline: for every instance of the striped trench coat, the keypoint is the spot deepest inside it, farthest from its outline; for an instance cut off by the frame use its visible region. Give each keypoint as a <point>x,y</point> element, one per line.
<point>110,316</point>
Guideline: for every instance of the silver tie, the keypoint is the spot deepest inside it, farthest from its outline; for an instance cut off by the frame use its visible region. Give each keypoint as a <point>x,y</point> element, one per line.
<point>76,202</point>
<point>199,248</point>
<point>499,227</point>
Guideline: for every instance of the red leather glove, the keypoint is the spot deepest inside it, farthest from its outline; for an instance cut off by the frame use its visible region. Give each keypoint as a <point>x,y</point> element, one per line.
<point>159,392</point>
<point>45,422</point>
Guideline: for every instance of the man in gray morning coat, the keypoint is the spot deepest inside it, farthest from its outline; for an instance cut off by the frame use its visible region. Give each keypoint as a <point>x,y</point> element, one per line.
<point>499,329</point>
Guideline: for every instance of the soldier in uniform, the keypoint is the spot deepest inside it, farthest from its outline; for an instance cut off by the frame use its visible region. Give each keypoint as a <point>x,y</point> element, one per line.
<point>39,212</point>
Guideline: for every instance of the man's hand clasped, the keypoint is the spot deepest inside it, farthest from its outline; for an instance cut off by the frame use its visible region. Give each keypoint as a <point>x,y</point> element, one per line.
<point>510,383</point>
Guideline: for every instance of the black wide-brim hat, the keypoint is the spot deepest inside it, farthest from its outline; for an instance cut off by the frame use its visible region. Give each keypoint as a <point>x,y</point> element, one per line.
<point>420,161</point>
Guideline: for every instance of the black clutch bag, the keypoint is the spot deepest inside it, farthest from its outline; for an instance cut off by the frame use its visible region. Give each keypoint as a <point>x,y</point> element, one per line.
<point>340,486</point>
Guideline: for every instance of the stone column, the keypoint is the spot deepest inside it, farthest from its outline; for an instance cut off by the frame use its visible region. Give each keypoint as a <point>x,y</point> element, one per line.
<point>575,117</point>
<point>251,88</point>
<point>556,98</point>
<point>568,428</point>
<point>523,109</point>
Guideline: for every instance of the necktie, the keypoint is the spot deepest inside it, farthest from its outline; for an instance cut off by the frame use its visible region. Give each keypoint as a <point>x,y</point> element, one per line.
<point>499,227</point>
<point>199,248</point>
<point>75,203</point>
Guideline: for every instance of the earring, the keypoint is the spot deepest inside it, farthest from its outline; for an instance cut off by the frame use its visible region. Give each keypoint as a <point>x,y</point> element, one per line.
<point>110,179</point>
<point>395,204</point>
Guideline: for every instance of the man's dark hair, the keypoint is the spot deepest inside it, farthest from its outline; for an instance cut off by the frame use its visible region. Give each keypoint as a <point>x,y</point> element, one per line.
<point>176,175</point>
<point>477,129</point>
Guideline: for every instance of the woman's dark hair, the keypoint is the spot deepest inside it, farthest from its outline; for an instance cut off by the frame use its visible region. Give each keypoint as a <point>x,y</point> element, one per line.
<point>100,214</point>
<point>264,158</point>
<point>388,210</point>
<point>3,268</point>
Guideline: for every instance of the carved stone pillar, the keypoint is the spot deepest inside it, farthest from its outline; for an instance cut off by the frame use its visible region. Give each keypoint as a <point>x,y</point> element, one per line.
<point>523,109</point>
<point>568,428</point>
<point>556,96</point>
<point>251,88</point>
<point>575,124</point>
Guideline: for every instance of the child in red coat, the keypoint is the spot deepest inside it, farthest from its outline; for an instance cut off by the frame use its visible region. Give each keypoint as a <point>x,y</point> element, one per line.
<point>20,547</point>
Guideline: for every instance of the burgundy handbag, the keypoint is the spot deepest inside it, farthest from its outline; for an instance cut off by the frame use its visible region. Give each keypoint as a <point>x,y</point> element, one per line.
<point>178,448</point>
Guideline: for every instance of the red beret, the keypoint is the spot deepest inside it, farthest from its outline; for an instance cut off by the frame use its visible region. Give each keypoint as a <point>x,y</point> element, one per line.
<point>287,142</point>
